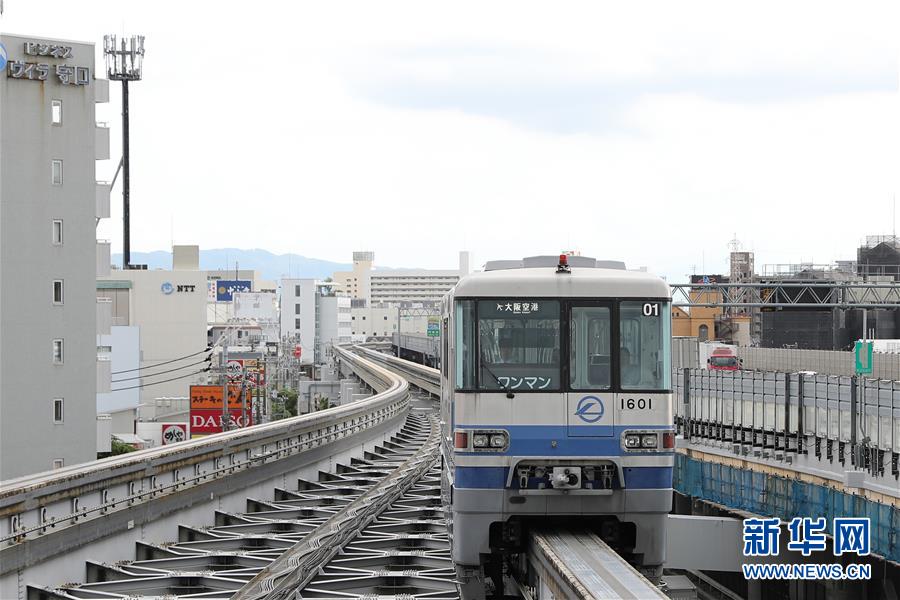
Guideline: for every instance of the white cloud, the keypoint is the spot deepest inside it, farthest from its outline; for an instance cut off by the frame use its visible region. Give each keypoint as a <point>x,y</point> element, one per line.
<point>651,132</point>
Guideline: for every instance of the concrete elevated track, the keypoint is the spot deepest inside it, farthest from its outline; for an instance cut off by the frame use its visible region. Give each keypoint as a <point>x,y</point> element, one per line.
<point>342,503</point>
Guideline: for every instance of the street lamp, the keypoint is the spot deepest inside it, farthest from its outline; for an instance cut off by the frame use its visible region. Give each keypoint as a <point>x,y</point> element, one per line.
<point>124,60</point>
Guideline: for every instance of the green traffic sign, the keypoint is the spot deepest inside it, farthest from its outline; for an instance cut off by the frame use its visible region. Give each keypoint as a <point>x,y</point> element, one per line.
<point>863,355</point>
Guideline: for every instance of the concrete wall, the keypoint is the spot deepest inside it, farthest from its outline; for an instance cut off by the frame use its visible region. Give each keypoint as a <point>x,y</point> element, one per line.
<point>172,325</point>
<point>30,261</point>
<point>827,362</point>
<point>125,358</point>
<point>831,362</point>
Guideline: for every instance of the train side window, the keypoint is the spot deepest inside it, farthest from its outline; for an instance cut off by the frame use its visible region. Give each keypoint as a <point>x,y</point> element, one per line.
<point>464,338</point>
<point>645,331</point>
<point>590,360</point>
<point>445,348</point>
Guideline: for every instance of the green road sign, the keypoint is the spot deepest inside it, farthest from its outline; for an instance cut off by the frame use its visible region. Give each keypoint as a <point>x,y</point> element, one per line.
<point>434,327</point>
<point>863,355</point>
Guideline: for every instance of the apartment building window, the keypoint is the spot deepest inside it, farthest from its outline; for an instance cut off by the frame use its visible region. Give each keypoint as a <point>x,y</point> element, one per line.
<point>296,323</point>
<point>58,410</point>
<point>56,112</point>
<point>57,232</point>
<point>296,309</point>
<point>57,291</point>
<point>58,352</point>
<point>58,463</point>
<point>56,171</point>
<point>297,290</point>
<point>385,317</point>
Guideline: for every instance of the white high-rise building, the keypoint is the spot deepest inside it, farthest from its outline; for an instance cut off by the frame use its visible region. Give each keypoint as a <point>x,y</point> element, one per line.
<point>49,255</point>
<point>391,286</point>
<point>314,317</point>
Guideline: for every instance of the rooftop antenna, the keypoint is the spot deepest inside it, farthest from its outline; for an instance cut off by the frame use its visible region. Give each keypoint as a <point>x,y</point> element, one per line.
<point>124,62</point>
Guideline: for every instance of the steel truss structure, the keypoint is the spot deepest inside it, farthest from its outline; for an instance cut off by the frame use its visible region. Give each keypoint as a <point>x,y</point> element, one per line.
<point>409,541</point>
<point>787,294</point>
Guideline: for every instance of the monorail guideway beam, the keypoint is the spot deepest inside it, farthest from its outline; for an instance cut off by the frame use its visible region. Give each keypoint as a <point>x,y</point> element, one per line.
<point>577,564</point>
<point>46,520</point>
<point>217,561</point>
<point>293,570</point>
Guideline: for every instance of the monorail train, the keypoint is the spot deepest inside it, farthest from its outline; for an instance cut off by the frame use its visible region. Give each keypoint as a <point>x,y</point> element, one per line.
<point>556,403</point>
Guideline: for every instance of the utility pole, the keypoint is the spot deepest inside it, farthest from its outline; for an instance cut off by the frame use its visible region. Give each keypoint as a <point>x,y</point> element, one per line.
<point>243,396</point>
<point>225,414</point>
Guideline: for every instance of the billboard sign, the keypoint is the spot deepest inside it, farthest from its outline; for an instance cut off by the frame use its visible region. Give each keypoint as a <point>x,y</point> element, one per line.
<point>226,288</point>
<point>209,421</point>
<point>251,368</point>
<point>174,432</point>
<point>235,369</point>
<point>207,408</point>
<point>210,397</point>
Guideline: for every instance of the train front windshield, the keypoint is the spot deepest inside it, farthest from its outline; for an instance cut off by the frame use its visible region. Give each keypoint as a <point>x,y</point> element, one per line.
<point>516,345</point>
<point>519,345</point>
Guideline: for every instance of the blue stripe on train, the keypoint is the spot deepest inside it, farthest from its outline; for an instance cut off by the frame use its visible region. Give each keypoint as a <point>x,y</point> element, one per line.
<point>537,440</point>
<point>636,478</point>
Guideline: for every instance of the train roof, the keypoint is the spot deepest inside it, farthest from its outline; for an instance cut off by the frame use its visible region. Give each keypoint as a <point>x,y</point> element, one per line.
<point>533,277</point>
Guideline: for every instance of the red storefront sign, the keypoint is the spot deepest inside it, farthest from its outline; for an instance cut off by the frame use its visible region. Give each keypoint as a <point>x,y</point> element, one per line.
<point>207,421</point>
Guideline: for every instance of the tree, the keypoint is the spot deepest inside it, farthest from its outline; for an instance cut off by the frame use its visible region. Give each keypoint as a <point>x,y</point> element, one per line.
<point>322,402</point>
<point>117,447</point>
<point>287,404</point>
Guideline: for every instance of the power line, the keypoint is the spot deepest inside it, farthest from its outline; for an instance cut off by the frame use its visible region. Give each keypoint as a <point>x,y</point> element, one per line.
<point>207,349</point>
<point>205,360</point>
<point>206,370</point>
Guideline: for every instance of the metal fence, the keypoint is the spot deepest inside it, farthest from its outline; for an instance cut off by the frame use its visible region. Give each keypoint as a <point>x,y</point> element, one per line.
<point>824,425</point>
<point>794,412</point>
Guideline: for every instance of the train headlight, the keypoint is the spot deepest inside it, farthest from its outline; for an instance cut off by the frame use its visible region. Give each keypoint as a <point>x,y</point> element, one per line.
<point>632,440</point>
<point>480,440</point>
<point>649,440</point>
<point>498,440</point>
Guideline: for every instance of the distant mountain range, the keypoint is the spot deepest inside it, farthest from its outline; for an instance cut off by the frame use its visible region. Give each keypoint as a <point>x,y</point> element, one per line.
<point>268,265</point>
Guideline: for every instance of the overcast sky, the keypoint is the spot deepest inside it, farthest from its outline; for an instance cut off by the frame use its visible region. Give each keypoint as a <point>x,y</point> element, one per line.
<point>647,132</point>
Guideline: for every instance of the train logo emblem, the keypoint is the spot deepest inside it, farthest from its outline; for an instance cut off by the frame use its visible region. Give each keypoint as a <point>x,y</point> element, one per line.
<point>590,409</point>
